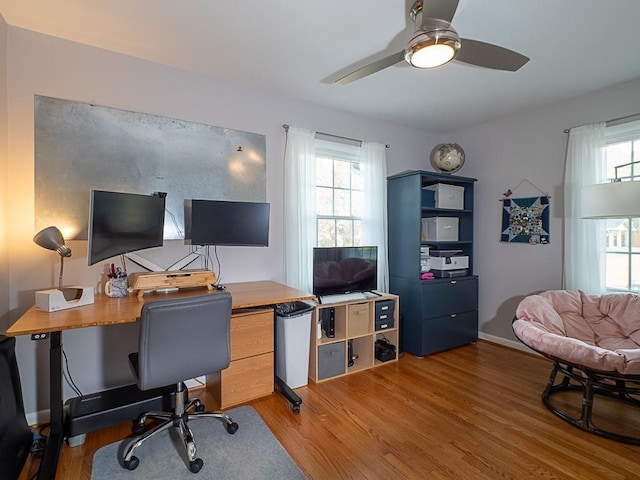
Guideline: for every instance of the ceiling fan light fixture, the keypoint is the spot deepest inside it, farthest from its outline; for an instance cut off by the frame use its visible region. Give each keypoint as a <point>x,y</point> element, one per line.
<point>429,49</point>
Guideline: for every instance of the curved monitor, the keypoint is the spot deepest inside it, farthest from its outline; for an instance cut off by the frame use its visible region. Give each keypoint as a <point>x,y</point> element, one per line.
<point>123,222</point>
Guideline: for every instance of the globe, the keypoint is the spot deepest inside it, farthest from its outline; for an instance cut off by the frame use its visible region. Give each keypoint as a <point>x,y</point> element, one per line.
<point>447,157</point>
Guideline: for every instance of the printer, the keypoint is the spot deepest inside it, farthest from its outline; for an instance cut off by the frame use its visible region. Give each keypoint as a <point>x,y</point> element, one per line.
<point>448,263</point>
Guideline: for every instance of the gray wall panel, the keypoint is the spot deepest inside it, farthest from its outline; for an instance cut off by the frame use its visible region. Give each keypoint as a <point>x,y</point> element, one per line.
<point>80,147</point>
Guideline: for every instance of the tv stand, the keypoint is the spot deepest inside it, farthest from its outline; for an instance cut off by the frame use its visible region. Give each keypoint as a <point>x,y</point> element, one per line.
<point>155,281</point>
<point>361,327</point>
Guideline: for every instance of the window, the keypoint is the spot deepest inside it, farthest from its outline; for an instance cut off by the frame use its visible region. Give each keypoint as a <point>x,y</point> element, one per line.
<point>350,191</point>
<point>339,195</point>
<point>623,235</point>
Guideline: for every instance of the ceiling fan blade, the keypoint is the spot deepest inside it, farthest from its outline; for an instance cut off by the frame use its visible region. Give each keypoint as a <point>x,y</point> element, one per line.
<point>371,68</point>
<point>489,56</point>
<point>442,9</point>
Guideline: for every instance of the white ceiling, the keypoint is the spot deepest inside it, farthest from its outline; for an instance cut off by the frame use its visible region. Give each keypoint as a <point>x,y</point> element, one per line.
<point>294,47</point>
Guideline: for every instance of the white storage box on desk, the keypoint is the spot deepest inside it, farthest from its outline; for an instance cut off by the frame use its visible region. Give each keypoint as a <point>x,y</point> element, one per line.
<point>440,229</point>
<point>447,196</point>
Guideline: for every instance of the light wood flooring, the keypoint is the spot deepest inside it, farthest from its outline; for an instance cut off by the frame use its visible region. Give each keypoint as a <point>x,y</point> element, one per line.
<point>469,413</point>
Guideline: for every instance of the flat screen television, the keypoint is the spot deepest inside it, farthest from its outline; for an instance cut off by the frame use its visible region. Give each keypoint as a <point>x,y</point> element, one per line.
<point>220,222</point>
<point>338,270</point>
<point>120,223</point>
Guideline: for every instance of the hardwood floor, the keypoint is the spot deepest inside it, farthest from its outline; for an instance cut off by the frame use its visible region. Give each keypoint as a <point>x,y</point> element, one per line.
<point>469,413</point>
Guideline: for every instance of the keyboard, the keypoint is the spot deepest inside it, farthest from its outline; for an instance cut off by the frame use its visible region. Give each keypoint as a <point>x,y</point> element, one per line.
<point>343,297</point>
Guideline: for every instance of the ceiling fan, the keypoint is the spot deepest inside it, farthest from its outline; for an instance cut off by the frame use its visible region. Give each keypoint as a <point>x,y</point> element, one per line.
<point>435,42</point>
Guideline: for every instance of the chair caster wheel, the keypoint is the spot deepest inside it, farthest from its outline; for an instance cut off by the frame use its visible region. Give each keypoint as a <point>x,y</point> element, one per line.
<point>295,408</point>
<point>131,464</point>
<point>231,427</point>
<point>199,408</point>
<point>196,465</point>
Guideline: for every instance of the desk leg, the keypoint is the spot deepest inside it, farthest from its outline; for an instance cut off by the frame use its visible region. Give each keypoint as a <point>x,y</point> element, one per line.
<point>55,438</point>
<point>289,394</point>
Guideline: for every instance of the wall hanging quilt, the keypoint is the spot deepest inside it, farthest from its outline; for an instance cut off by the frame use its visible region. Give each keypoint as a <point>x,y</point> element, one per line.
<point>525,220</point>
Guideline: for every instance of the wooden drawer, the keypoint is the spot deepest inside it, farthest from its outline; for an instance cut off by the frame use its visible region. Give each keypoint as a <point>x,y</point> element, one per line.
<point>385,310</point>
<point>251,333</point>
<point>384,314</point>
<point>444,298</point>
<point>443,333</point>
<point>245,379</point>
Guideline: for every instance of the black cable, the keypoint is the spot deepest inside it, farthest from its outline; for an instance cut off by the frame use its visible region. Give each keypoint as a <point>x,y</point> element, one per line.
<point>215,254</point>
<point>383,337</point>
<point>68,382</point>
<point>39,442</point>
<point>68,377</point>
<point>195,250</point>
<point>205,258</point>
<point>41,429</point>
<point>38,447</point>
<point>175,223</point>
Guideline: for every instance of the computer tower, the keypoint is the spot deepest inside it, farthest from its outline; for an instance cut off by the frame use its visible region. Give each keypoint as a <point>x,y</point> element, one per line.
<point>16,437</point>
<point>328,319</point>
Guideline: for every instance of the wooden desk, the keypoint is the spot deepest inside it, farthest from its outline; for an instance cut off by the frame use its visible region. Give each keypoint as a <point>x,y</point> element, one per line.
<point>113,311</point>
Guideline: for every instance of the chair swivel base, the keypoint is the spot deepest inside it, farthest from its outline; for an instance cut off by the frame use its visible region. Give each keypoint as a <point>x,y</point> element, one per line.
<point>178,419</point>
<point>591,383</point>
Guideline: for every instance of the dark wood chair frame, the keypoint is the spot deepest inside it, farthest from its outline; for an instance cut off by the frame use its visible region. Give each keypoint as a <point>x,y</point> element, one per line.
<point>567,377</point>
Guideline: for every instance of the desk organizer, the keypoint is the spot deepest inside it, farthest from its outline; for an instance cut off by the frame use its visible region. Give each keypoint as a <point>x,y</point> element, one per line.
<point>152,281</point>
<point>61,299</point>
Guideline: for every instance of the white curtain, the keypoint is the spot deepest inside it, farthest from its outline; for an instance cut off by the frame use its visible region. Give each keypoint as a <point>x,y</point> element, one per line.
<point>373,161</point>
<point>584,239</point>
<point>299,207</point>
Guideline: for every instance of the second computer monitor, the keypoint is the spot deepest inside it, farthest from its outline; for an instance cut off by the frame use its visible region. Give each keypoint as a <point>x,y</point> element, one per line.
<point>219,222</point>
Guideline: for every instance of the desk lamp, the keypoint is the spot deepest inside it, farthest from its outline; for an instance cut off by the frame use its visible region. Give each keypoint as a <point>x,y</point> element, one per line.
<point>62,298</point>
<point>51,239</point>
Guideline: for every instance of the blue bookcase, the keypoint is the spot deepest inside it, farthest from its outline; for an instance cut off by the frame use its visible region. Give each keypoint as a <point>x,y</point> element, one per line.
<point>441,313</point>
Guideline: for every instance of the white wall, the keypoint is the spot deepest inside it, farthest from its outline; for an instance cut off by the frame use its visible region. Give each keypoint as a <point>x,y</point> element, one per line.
<point>43,65</point>
<point>528,146</point>
<point>4,170</point>
<point>500,154</point>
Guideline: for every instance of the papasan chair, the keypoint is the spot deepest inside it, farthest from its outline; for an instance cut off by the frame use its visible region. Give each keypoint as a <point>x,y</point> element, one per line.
<point>594,343</point>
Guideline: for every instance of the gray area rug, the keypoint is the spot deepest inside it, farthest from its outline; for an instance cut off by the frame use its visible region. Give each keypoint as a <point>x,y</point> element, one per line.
<point>250,453</point>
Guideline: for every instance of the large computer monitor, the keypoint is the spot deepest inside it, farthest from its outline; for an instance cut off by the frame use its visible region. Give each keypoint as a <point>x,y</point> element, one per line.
<point>121,223</point>
<point>218,222</point>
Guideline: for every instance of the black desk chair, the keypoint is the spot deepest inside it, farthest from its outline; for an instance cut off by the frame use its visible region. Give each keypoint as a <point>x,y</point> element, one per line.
<point>15,435</point>
<point>181,338</point>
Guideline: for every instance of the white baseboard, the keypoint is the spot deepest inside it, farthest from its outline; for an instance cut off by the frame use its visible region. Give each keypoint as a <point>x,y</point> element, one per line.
<point>504,341</point>
<point>38,418</point>
<point>197,382</point>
